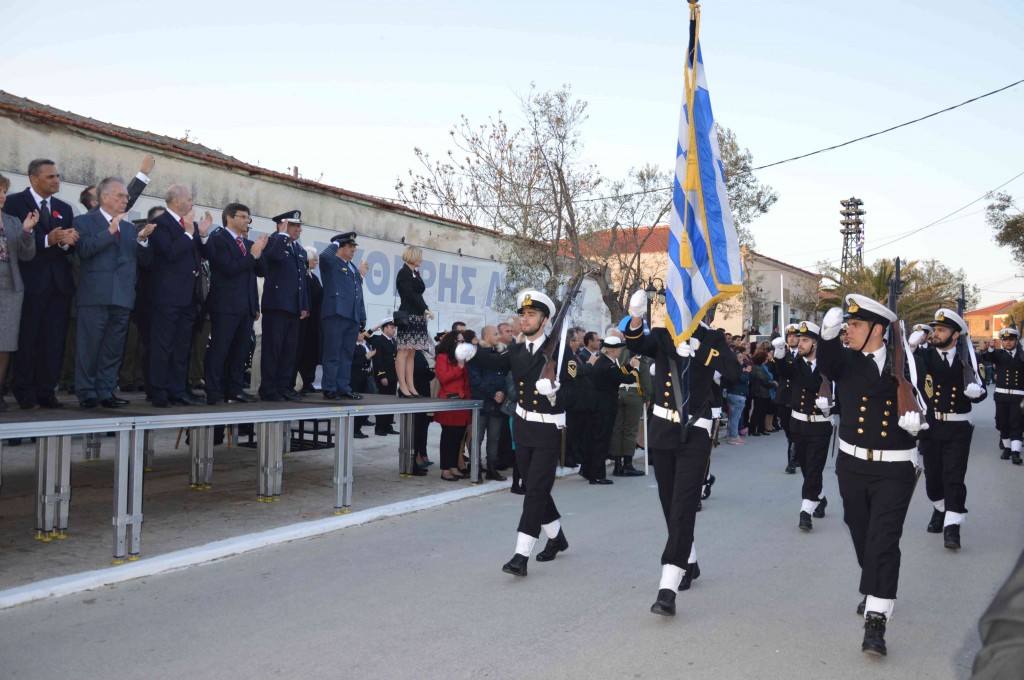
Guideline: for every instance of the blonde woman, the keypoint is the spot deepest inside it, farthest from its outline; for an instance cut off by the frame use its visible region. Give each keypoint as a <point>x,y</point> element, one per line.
<point>413,335</point>
<point>17,244</point>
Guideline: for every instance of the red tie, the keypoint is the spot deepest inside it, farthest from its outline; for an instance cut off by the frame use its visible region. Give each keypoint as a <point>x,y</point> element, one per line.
<point>241,246</point>
<point>181,221</point>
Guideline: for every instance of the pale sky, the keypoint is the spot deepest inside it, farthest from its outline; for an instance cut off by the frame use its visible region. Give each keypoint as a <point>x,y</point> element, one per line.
<point>347,90</point>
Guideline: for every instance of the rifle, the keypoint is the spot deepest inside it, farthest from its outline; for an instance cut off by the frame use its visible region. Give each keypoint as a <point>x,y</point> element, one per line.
<point>551,368</point>
<point>906,402</point>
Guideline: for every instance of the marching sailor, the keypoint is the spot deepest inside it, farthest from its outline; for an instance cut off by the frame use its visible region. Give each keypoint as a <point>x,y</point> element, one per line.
<point>537,426</point>
<point>947,441</point>
<point>1009,365</point>
<point>679,464</point>
<point>811,422</point>
<point>782,399</point>
<point>878,449</point>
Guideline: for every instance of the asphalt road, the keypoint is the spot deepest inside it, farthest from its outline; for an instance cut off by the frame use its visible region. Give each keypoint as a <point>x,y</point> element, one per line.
<point>423,595</point>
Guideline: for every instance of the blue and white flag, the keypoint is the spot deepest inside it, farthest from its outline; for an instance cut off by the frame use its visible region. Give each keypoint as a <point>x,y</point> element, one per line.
<point>704,262</point>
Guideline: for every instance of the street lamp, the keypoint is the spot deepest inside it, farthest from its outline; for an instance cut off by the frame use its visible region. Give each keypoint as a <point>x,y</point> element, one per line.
<point>653,292</point>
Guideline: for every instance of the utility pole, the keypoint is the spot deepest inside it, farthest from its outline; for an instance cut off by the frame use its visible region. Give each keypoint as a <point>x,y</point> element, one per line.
<point>853,234</point>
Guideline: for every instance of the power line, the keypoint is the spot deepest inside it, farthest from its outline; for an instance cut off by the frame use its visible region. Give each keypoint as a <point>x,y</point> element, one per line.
<point>760,167</point>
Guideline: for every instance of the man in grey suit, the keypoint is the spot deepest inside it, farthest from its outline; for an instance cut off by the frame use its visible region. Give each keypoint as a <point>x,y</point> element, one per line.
<point>109,249</point>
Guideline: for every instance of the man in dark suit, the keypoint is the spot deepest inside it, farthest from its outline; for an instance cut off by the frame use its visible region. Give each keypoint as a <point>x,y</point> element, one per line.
<point>48,287</point>
<point>343,314</point>
<point>235,262</point>
<point>109,249</point>
<point>309,328</point>
<point>176,243</point>
<point>285,303</point>
<point>607,376</point>
<point>385,374</point>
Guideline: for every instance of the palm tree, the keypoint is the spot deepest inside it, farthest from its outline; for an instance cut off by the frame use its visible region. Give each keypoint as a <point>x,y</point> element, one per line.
<point>916,304</point>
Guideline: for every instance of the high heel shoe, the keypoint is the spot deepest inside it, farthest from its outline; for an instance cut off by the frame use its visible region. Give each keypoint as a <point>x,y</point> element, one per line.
<point>455,478</point>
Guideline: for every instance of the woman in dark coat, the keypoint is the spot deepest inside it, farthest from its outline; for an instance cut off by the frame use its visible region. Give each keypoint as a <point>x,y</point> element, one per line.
<point>412,335</point>
<point>761,385</point>
<point>17,244</point>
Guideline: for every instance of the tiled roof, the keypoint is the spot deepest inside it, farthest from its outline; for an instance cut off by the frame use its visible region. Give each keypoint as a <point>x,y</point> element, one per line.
<point>999,308</point>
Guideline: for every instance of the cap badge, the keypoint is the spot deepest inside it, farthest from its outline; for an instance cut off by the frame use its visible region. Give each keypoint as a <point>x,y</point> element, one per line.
<point>854,307</point>
<point>527,301</point>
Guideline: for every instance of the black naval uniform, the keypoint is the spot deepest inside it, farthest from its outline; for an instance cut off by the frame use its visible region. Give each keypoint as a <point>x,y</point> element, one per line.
<point>784,407</point>
<point>876,493</point>
<point>607,377</point>
<point>1008,395</point>
<point>680,468</point>
<point>538,443</point>
<point>947,441</point>
<point>809,428</point>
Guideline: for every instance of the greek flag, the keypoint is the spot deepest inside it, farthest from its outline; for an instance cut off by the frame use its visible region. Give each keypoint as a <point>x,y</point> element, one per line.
<point>704,263</point>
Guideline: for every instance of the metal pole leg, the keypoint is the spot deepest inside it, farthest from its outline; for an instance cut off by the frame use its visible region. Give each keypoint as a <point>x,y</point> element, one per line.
<point>282,439</point>
<point>339,424</point>
<point>149,454</point>
<point>194,447</point>
<point>120,519</point>
<point>474,447</point>
<point>50,484</point>
<point>41,489</point>
<point>263,460</point>
<point>92,447</point>
<point>348,456</point>
<point>1,464</point>
<point>62,495</point>
<point>405,447</point>
<point>134,500</point>
<point>206,458</point>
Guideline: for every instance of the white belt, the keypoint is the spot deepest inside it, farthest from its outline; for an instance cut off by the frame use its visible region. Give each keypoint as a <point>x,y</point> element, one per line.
<point>811,418</point>
<point>557,419</point>
<point>673,416</point>
<point>1003,390</point>
<point>716,412</point>
<point>952,416</point>
<point>882,456</point>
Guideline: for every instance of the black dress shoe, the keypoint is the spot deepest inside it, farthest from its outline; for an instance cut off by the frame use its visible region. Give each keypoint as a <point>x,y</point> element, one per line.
<point>819,511</point>
<point>292,395</point>
<point>629,471</point>
<point>617,470</point>
<point>1015,458</point>
<point>665,605</point>
<point>874,634</point>
<point>601,481</point>
<point>350,395</point>
<point>1005,455</point>
<point>331,396</point>
<point>186,400</point>
<point>860,607</point>
<point>242,398</point>
<point>951,537</point>
<point>935,523</point>
<point>113,402</point>
<point>691,574</point>
<point>516,566</point>
<point>391,430</point>
<point>805,521</point>
<point>418,471</point>
<point>91,402</point>
<point>790,470</point>
<point>555,545</point>
<point>50,401</point>
<point>495,476</point>
<point>360,435</point>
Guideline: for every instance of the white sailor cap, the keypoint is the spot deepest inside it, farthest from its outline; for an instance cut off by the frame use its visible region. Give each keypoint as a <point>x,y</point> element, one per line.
<point>534,299</point>
<point>921,327</point>
<point>866,309</point>
<point>1009,332</point>
<point>808,329</point>
<point>613,341</point>
<point>389,319</point>
<point>950,319</point>
<point>792,328</point>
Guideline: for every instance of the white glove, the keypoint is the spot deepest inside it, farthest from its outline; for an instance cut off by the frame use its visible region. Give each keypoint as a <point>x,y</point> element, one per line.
<point>718,379</point>
<point>545,387</point>
<point>688,349</point>
<point>824,405</point>
<point>974,390</point>
<point>464,351</point>
<point>780,347</point>
<point>916,338</point>
<point>638,303</point>
<point>911,422</point>
<point>652,370</point>
<point>832,323</point>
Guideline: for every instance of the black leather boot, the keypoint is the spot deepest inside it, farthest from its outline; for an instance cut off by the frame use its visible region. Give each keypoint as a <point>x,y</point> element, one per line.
<point>791,464</point>
<point>935,523</point>
<point>665,605</point>
<point>1015,458</point>
<point>493,474</point>
<point>1004,452</point>
<point>805,521</point>
<point>516,566</point>
<point>874,634</point>
<point>691,574</point>
<point>705,491</point>
<point>819,511</point>
<point>627,468</point>
<point>860,607</point>
<point>554,546</point>
<point>617,470</point>
<point>951,536</point>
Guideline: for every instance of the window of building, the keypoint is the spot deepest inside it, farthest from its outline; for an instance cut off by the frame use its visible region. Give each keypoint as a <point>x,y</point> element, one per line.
<point>988,324</point>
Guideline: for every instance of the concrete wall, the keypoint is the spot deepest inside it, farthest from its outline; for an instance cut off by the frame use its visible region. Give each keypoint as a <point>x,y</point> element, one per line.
<point>461,267</point>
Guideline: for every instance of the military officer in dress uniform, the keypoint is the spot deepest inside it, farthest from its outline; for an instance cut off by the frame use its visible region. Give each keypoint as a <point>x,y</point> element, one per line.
<point>811,424</point>
<point>608,377</point>
<point>947,441</point>
<point>343,314</point>
<point>1009,365</point>
<point>385,375</point>
<point>924,328</point>
<point>285,302</point>
<point>680,450</point>
<point>782,396</point>
<point>537,425</point>
<point>878,450</point>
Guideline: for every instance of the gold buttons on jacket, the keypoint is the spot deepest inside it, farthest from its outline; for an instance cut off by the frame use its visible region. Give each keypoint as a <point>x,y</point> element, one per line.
<point>860,420</point>
<point>884,433</point>
<point>666,394</point>
<point>863,409</point>
<point>885,413</point>
<point>520,383</point>
<point>863,398</point>
<point>534,402</point>
<point>860,430</point>
<point>668,383</point>
<point>887,403</point>
<point>885,423</point>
